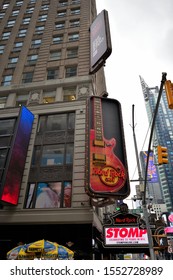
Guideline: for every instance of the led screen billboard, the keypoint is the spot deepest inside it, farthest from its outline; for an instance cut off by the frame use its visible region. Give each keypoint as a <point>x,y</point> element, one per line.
<point>152,174</point>
<point>14,168</point>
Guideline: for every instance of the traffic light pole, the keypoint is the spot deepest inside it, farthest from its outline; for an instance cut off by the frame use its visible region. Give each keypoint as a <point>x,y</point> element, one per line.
<point>144,206</point>
<point>141,182</point>
<point>151,133</point>
<point>144,182</point>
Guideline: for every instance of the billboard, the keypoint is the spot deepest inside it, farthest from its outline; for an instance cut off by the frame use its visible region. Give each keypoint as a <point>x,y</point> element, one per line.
<point>100,41</point>
<point>125,236</point>
<point>167,217</point>
<point>12,178</point>
<point>152,174</point>
<point>107,170</point>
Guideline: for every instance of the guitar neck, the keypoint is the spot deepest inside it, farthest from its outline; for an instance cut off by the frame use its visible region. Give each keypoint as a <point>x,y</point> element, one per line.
<point>98,124</point>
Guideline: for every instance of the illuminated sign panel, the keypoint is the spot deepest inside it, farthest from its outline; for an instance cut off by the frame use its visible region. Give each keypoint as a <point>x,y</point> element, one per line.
<point>100,42</point>
<point>152,171</point>
<point>107,165</point>
<point>125,236</point>
<point>16,160</point>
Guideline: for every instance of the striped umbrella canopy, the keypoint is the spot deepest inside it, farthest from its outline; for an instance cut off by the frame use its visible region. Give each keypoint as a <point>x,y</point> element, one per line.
<point>41,246</point>
<point>19,253</point>
<point>60,252</point>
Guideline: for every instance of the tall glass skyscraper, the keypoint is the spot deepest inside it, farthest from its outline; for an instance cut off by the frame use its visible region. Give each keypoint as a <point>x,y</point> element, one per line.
<point>163,135</point>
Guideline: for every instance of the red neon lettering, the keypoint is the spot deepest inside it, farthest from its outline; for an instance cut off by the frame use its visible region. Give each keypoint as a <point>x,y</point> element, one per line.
<point>125,232</point>
<point>109,233</point>
<point>142,231</point>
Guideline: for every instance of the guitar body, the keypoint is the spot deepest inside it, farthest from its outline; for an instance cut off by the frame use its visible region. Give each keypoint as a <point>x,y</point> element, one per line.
<point>107,172</point>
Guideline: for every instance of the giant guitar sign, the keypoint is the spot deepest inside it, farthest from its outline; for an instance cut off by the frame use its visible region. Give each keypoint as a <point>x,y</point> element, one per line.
<point>107,167</point>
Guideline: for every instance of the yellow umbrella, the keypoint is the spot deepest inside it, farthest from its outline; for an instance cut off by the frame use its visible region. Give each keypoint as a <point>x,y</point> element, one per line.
<point>23,255</point>
<point>60,252</point>
<point>40,246</point>
<point>19,252</point>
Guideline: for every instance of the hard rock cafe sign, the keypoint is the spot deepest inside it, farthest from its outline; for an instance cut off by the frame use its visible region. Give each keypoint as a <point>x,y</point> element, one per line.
<point>107,172</point>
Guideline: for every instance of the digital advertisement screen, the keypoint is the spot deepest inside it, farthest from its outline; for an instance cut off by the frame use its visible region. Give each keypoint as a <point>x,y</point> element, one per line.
<point>12,179</point>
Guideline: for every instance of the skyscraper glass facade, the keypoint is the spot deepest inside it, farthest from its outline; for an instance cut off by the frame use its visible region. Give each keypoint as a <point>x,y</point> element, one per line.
<point>163,135</point>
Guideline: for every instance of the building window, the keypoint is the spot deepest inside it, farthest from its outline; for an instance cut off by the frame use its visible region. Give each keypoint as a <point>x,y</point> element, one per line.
<point>6,126</point>
<point>26,20</point>
<point>2,47</point>
<point>52,74</point>
<point>3,155</point>
<point>69,94</point>
<point>72,52</point>
<point>49,195</point>
<point>2,102</point>
<point>17,46</point>
<point>6,35</point>
<point>39,30</point>
<point>58,122</point>
<point>36,43</point>
<point>19,3</point>
<point>63,3</point>
<point>6,132</point>
<point>49,97</point>
<point>75,11</point>
<point>42,18</point>
<point>21,100</point>
<point>10,23</point>
<point>58,39</point>
<point>57,156</point>
<point>60,25</point>
<point>30,10</point>
<point>5,6</point>
<point>45,7</point>
<point>27,77</point>
<point>15,13</point>
<point>75,23</point>
<point>32,59</point>
<point>7,80</point>
<point>61,13</point>
<point>22,32</point>
<point>55,55</point>
<point>74,2</point>
<point>12,62</point>
<point>73,37</point>
<point>2,15</point>
<point>71,71</point>
<point>52,155</point>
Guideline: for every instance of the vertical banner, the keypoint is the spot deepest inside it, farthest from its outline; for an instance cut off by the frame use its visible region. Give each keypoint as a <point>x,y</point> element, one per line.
<point>12,178</point>
<point>107,162</point>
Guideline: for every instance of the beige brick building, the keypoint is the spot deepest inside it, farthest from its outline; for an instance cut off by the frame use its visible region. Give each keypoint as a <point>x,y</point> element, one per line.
<point>45,61</point>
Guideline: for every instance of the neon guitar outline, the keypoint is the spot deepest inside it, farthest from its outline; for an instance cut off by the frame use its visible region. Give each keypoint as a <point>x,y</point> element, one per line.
<point>107,172</point>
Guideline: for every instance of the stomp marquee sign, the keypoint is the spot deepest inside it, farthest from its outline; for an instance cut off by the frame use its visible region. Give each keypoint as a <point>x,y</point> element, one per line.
<point>123,231</point>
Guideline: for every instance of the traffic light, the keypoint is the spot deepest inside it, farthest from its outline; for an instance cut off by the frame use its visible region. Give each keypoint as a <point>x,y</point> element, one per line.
<point>162,155</point>
<point>169,93</point>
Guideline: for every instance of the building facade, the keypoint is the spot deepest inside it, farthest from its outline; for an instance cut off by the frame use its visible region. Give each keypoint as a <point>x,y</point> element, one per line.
<point>163,136</point>
<point>45,63</point>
